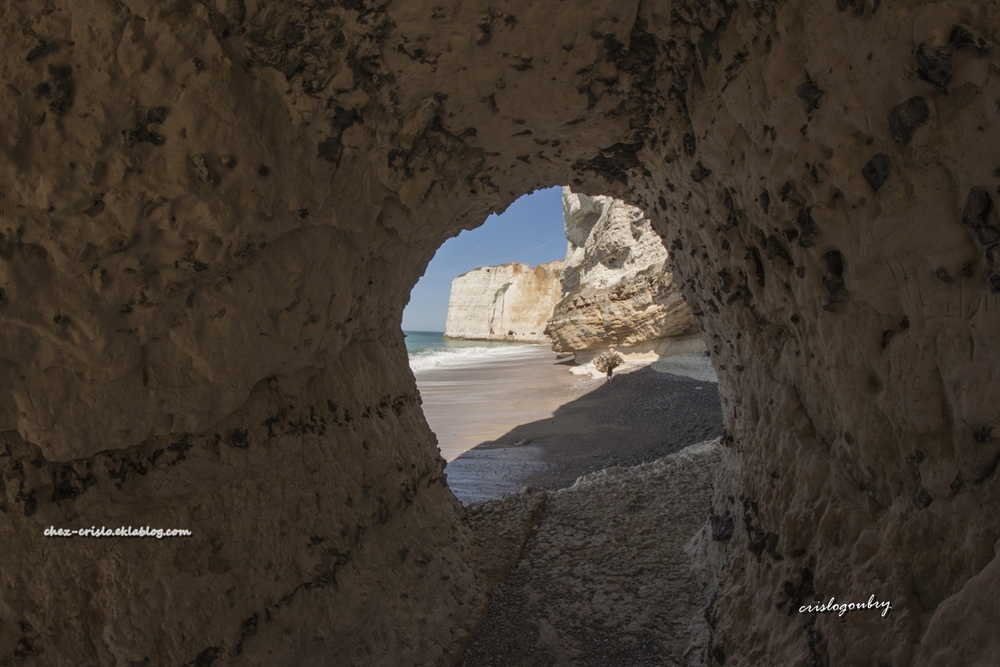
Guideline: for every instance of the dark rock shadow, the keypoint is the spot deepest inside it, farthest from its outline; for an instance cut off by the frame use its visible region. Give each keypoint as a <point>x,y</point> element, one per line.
<point>640,416</point>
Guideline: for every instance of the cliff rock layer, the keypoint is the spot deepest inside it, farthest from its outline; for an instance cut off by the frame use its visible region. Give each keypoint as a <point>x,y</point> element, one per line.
<point>617,284</point>
<point>212,214</point>
<point>506,302</point>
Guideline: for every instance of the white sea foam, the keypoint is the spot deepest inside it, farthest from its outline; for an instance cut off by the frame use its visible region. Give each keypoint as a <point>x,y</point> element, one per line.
<point>467,356</point>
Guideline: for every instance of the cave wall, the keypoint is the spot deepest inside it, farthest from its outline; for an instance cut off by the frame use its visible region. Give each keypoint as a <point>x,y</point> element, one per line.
<point>212,214</point>
<point>841,259</point>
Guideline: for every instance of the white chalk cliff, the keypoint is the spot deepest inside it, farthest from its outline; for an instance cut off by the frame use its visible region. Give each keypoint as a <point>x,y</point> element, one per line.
<point>212,214</point>
<point>508,302</point>
<point>617,287</point>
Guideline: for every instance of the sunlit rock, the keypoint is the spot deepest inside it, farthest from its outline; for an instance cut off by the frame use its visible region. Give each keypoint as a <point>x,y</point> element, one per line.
<point>617,287</point>
<point>507,302</point>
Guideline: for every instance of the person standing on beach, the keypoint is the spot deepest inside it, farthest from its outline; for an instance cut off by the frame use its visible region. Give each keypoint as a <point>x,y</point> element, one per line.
<point>608,362</point>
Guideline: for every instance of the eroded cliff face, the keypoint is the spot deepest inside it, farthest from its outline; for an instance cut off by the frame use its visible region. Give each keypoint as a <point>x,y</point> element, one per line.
<point>508,302</point>
<point>617,287</point>
<point>212,214</point>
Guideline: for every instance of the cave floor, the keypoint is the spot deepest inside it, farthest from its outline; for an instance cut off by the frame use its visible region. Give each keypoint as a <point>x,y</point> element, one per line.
<point>603,579</point>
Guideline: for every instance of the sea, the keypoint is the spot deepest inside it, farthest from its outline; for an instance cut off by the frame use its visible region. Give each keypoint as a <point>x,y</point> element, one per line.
<point>430,349</point>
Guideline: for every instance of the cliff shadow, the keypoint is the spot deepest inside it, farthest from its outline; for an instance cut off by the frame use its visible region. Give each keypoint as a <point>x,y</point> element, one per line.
<point>641,416</point>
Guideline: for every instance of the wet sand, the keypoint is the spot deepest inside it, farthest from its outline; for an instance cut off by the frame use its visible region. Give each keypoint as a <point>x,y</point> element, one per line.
<point>531,422</point>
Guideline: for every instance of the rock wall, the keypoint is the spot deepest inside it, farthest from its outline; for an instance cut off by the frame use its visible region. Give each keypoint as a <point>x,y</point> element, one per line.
<point>607,241</point>
<point>506,302</point>
<point>212,214</point>
<point>617,287</point>
<point>835,200</point>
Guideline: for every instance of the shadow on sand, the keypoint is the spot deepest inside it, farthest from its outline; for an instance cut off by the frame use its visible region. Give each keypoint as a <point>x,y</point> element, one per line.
<point>640,416</point>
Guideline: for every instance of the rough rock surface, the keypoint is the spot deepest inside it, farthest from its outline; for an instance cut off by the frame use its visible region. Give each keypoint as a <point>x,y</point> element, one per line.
<point>212,214</point>
<point>295,520</point>
<point>616,281</point>
<point>607,241</point>
<point>506,302</point>
<point>607,583</point>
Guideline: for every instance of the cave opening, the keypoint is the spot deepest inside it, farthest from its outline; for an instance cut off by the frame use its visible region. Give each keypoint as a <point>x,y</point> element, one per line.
<point>532,297</point>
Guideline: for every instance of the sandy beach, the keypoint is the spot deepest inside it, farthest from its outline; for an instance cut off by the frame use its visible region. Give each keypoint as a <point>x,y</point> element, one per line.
<point>467,405</point>
<point>526,419</point>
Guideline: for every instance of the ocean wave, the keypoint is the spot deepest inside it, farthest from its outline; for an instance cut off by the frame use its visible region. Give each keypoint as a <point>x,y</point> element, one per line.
<point>466,356</point>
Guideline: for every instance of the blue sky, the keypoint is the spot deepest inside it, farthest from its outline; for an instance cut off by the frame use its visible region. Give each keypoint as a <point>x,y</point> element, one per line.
<point>530,231</point>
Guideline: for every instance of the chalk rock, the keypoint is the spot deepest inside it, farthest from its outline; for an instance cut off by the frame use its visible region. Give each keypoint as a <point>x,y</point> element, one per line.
<point>617,284</point>
<point>607,241</point>
<point>507,302</point>
<point>646,308</point>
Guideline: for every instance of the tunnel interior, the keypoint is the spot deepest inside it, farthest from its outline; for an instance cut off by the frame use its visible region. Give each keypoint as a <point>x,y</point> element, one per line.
<point>212,216</point>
